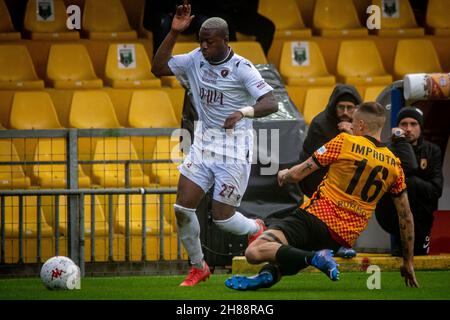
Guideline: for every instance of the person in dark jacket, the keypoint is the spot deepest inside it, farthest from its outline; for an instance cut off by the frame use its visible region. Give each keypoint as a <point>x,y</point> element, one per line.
<point>336,118</point>
<point>422,164</point>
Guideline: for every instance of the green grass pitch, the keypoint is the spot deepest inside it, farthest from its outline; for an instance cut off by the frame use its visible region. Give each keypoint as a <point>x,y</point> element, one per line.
<point>352,285</point>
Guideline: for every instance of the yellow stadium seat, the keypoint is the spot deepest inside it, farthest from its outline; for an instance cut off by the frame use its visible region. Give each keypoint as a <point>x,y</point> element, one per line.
<point>437,17</point>
<point>92,109</point>
<point>359,63</point>
<point>316,100</point>
<point>33,110</point>
<point>11,176</point>
<point>337,18</point>
<point>297,95</point>
<point>7,32</point>
<point>101,223</point>
<point>29,218</point>
<point>250,50</point>
<point>54,175</point>
<point>415,56</point>
<point>17,70</point>
<point>101,228</point>
<point>152,225</point>
<point>70,67</point>
<point>82,117</point>
<point>165,174</point>
<point>48,26</point>
<point>397,22</point>
<point>176,96</point>
<point>128,66</point>
<point>41,115</point>
<point>152,228</point>
<point>142,101</point>
<point>179,48</point>
<point>302,64</point>
<point>286,17</point>
<point>106,20</point>
<point>29,229</point>
<point>113,175</point>
<point>288,25</point>
<point>372,93</point>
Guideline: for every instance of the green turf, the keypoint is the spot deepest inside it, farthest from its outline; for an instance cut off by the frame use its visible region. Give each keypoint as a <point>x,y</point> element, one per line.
<point>434,285</point>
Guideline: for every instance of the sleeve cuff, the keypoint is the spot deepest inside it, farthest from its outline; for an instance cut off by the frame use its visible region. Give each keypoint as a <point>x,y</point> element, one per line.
<point>396,195</point>
<point>316,161</point>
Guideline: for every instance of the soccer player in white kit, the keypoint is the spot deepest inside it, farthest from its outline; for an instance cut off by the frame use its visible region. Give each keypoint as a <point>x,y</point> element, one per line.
<point>227,91</point>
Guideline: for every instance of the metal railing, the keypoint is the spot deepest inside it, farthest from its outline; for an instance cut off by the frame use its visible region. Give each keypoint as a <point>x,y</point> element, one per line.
<point>76,196</point>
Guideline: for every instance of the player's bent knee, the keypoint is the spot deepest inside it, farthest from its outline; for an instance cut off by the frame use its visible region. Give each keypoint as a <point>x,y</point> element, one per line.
<point>183,215</point>
<point>252,255</point>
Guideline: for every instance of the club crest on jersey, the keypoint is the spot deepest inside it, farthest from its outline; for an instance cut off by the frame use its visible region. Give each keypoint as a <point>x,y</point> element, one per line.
<point>224,73</point>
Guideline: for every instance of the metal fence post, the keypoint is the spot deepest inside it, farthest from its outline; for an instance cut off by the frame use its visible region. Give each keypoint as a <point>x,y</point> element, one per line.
<point>81,205</point>
<point>127,212</point>
<point>20,229</point>
<point>3,236</point>
<point>144,228</point>
<point>92,228</point>
<point>39,229</point>
<point>57,225</point>
<point>110,228</point>
<point>72,181</point>
<point>161,227</point>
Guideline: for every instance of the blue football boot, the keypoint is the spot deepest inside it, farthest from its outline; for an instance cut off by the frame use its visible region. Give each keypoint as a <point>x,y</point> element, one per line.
<point>323,260</point>
<point>345,253</point>
<point>261,280</point>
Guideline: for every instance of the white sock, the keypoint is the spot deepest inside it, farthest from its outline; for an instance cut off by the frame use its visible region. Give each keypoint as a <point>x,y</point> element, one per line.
<point>189,232</point>
<point>238,224</point>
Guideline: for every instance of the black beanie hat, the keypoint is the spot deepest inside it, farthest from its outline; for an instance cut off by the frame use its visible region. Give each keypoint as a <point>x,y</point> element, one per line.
<point>348,97</point>
<point>410,112</point>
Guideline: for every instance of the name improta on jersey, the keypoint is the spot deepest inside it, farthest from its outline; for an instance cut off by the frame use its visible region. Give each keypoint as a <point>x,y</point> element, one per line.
<point>368,151</point>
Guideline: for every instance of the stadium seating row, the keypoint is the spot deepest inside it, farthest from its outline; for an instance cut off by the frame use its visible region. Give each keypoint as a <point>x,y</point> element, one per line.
<point>46,20</point>
<point>104,19</point>
<point>301,64</point>
<point>43,116</point>
<point>69,66</point>
<point>358,63</point>
<point>96,224</point>
<point>340,18</point>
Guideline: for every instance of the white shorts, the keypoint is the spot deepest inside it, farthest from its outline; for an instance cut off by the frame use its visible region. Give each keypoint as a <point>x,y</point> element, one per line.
<point>229,177</point>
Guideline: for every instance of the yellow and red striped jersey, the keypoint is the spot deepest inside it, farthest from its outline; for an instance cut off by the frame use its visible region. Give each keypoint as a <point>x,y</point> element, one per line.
<point>361,170</point>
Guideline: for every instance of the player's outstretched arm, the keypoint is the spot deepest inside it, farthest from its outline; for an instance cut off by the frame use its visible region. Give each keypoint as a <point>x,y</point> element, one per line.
<point>180,22</point>
<point>406,223</point>
<point>298,172</point>
<point>267,104</point>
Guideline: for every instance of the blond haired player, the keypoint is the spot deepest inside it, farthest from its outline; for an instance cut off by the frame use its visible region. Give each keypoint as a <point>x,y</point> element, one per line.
<point>361,170</point>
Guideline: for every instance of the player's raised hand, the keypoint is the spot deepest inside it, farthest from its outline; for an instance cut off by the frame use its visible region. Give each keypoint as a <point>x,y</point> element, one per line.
<point>182,18</point>
<point>231,121</point>
<point>407,272</point>
<point>345,126</point>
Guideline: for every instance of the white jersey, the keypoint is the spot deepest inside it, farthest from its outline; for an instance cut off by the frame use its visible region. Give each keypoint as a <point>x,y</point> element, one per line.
<point>218,91</point>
